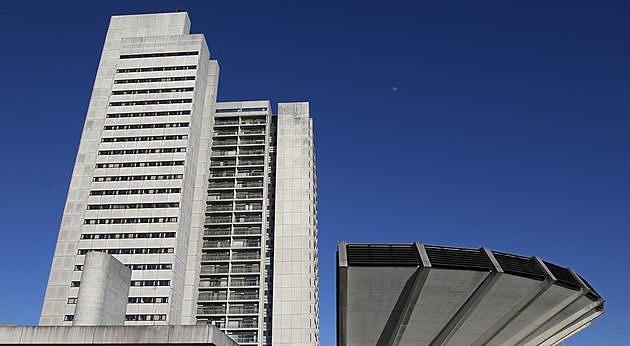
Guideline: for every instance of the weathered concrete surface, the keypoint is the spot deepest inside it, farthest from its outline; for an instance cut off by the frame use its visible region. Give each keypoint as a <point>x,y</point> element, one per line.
<point>104,291</point>
<point>121,335</point>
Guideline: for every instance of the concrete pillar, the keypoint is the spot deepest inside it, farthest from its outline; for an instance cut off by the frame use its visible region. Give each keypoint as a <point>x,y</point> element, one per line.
<point>104,290</point>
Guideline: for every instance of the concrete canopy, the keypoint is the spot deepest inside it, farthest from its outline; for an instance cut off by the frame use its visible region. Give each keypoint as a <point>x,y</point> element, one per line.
<point>414,294</point>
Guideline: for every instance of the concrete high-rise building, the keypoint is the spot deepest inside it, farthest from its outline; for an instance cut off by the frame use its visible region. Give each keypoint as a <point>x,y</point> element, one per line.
<point>212,205</point>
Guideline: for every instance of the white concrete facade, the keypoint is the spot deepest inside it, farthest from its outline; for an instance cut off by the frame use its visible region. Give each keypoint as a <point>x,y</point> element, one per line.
<point>295,279</point>
<point>182,190</point>
<point>140,169</point>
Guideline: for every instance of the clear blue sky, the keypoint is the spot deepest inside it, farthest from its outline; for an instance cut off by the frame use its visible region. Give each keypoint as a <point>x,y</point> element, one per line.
<point>467,123</point>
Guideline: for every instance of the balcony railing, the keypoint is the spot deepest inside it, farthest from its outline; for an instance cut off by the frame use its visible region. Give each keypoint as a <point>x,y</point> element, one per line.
<point>220,197</point>
<point>222,175</point>
<point>225,122</point>
<point>249,195</point>
<point>219,208</point>
<point>249,184</point>
<point>251,162</point>
<point>252,152</point>
<point>244,310</point>
<point>246,231</point>
<point>216,244</point>
<point>225,133</point>
<point>245,256</point>
<point>252,141</point>
<point>214,270</point>
<point>212,283</point>
<point>210,311</point>
<point>238,244</point>
<point>219,220</point>
<point>217,143</point>
<point>213,257</point>
<point>238,324</point>
<point>222,163</point>
<point>212,297</point>
<point>252,132</point>
<point>244,283</point>
<point>245,269</point>
<point>242,219</point>
<point>212,232</point>
<point>244,339</point>
<point>224,153</point>
<point>244,296</point>
<point>248,207</point>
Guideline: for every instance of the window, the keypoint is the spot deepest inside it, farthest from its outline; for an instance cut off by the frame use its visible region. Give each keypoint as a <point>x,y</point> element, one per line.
<point>145,126</point>
<point>153,80</point>
<point>146,317</point>
<point>151,91</point>
<point>156,55</point>
<point>129,220</point>
<point>142,151</point>
<point>72,300</point>
<point>132,206</point>
<point>156,69</point>
<point>139,283</point>
<point>75,283</point>
<point>139,164</point>
<point>144,138</point>
<point>147,300</point>
<point>146,114</point>
<point>129,251</point>
<point>68,318</point>
<point>134,191</point>
<point>138,177</point>
<point>149,102</point>
<point>128,235</point>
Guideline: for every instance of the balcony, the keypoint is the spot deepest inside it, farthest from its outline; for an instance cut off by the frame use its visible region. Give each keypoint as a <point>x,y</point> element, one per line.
<point>252,131</point>
<point>243,310</point>
<point>212,296</point>
<point>222,163</point>
<point>251,162</point>
<point>208,310</point>
<point>248,206</point>
<point>215,269</point>
<point>245,268</point>
<point>238,243</point>
<point>221,174</point>
<point>215,220</point>
<point>253,183</point>
<point>245,256</point>
<point>250,141</point>
<point>216,232</point>
<point>251,152</point>
<point>215,257</point>
<point>224,153</point>
<point>244,338</point>
<point>226,133</point>
<point>242,324</point>
<point>246,230</point>
<point>248,195</point>
<point>226,122</point>
<point>216,244</point>
<point>250,121</point>
<point>244,283</point>
<point>244,295</point>
<point>213,283</point>
<point>220,196</point>
<point>219,207</point>
<point>224,142</point>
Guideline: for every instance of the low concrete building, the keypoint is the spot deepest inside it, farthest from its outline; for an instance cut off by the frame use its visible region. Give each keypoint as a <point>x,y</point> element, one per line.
<point>414,294</point>
<point>118,335</point>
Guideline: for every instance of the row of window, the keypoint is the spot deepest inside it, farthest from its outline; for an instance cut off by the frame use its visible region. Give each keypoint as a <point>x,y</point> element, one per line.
<point>146,317</point>
<point>235,110</point>
<point>142,151</point>
<point>134,300</point>
<point>143,138</point>
<point>147,300</point>
<point>139,164</point>
<point>117,221</point>
<point>134,283</point>
<point>138,177</point>
<point>156,69</point>
<point>146,114</point>
<point>153,80</point>
<point>132,206</point>
<point>128,235</point>
<point>152,91</point>
<point>130,251</point>
<point>145,126</point>
<point>135,191</point>
<point>149,102</point>
<point>156,55</point>
<point>161,266</point>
